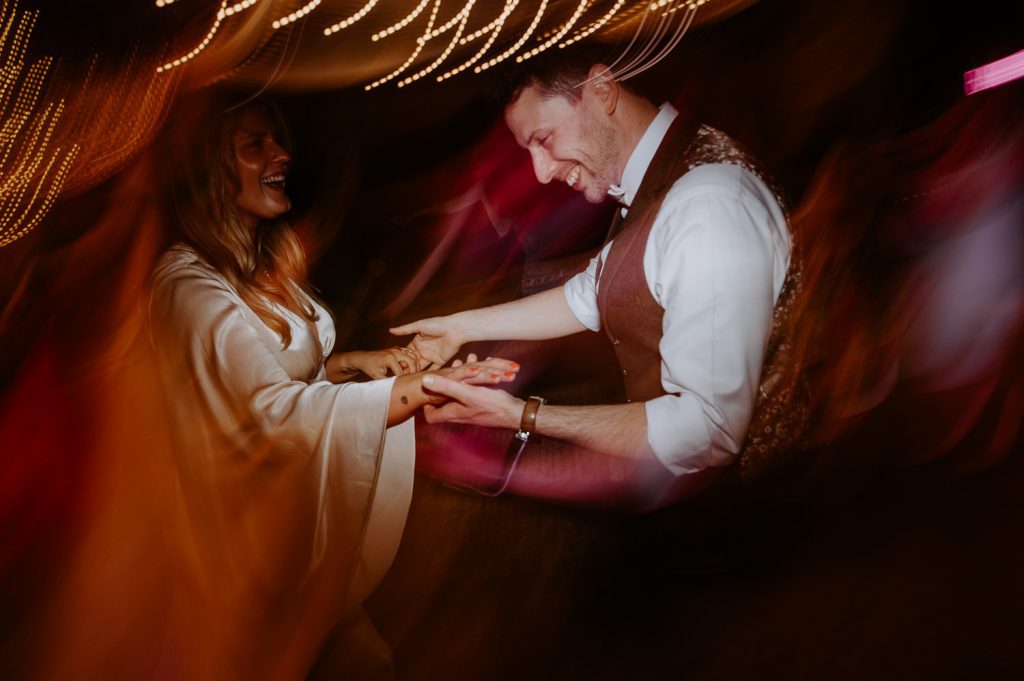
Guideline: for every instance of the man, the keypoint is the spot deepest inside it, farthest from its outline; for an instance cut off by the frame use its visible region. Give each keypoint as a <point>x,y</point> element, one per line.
<point>685,290</point>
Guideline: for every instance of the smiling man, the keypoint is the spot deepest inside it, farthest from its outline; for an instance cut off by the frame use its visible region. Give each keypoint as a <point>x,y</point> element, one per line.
<point>693,289</point>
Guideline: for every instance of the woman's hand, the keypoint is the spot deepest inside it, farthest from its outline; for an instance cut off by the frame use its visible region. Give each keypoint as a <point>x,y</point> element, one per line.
<point>436,341</point>
<point>343,366</point>
<point>408,395</point>
<point>475,372</point>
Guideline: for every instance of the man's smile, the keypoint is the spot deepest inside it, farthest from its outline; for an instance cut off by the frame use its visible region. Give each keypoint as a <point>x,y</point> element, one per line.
<point>573,177</point>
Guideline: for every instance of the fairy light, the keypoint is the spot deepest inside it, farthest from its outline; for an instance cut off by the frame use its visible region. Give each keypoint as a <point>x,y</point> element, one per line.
<point>222,13</point>
<point>693,4</point>
<point>497,25</point>
<point>596,26</point>
<point>53,191</point>
<point>458,22</point>
<point>557,36</point>
<point>470,37</point>
<point>412,57</point>
<point>444,28</point>
<point>401,24</point>
<point>296,15</point>
<point>21,113</point>
<point>447,50</point>
<point>519,43</point>
<point>643,61</point>
<point>345,23</point>
<point>33,168</point>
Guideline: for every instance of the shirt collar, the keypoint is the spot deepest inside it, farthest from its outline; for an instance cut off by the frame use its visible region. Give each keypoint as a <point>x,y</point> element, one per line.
<point>636,166</point>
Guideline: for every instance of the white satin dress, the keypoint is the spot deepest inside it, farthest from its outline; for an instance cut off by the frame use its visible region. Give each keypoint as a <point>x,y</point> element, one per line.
<point>293,493</point>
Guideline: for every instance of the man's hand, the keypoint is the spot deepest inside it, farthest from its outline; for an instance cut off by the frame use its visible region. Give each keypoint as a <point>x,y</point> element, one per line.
<point>437,340</point>
<point>471,404</point>
<point>410,392</point>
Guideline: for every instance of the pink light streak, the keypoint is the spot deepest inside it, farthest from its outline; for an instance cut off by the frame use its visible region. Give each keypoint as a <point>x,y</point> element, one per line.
<point>994,74</point>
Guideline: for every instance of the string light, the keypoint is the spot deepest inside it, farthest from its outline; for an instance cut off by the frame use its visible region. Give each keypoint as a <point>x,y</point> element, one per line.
<point>596,26</point>
<point>519,43</point>
<point>443,28</point>
<point>222,13</point>
<point>34,169</point>
<point>464,12</point>
<point>641,62</point>
<point>352,19</point>
<point>692,4</point>
<point>479,32</point>
<point>401,24</point>
<point>492,30</point>
<point>296,15</point>
<point>557,36</point>
<point>412,57</point>
<point>497,25</point>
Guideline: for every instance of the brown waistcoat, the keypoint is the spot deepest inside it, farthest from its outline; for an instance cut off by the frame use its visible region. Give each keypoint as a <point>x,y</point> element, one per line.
<point>632,318</point>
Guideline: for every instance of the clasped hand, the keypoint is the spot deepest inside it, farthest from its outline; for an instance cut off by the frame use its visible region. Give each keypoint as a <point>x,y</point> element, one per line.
<point>374,363</point>
<point>436,341</point>
<point>471,372</point>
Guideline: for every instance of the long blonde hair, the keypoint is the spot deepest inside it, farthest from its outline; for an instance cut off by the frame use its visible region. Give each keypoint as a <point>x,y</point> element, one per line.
<point>204,206</point>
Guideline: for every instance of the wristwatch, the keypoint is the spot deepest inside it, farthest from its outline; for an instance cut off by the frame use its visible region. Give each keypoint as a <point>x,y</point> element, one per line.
<point>528,423</point>
<point>527,426</point>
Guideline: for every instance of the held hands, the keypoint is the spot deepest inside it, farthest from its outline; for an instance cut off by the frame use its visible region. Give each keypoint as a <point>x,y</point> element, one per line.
<point>462,402</point>
<point>472,372</point>
<point>437,340</point>
<point>374,363</point>
<point>410,390</point>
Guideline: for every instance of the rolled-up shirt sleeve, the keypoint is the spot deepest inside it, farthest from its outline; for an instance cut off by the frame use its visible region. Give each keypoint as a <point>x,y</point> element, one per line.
<point>581,293</point>
<point>715,261</point>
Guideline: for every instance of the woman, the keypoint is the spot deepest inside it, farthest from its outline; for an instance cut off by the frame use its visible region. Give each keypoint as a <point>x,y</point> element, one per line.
<point>293,486</point>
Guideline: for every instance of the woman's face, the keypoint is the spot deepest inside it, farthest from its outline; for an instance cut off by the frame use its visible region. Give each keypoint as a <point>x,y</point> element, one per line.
<point>262,164</point>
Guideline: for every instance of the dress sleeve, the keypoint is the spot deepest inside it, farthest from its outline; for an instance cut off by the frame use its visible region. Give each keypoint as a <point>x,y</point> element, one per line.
<point>291,469</point>
<point>716,261</point>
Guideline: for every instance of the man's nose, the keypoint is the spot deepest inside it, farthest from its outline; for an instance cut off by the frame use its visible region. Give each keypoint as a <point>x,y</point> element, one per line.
<point>543,167</point>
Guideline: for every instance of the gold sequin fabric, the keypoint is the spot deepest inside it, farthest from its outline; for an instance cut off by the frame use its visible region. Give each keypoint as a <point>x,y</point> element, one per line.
<point>714,146</point>
<point>782,407</point>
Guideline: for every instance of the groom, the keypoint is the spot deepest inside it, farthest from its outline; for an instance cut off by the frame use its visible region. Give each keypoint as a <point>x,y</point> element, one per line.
<point>693,290</point>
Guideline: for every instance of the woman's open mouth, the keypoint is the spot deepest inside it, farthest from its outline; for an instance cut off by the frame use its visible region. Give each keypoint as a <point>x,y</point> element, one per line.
<point>274,181</point>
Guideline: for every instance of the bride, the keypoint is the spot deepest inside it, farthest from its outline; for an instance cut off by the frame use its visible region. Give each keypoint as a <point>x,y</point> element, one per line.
<point>293,484</point>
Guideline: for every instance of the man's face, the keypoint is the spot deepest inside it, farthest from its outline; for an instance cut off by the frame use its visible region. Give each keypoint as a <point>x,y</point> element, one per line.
<point>570,141</point>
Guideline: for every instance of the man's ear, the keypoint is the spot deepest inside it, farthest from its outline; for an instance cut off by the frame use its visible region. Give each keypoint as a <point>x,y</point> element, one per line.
<point>605,87</point>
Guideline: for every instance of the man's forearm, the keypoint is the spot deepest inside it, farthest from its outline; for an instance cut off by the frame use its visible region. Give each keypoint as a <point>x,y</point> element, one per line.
<point>538,317</point>
<point>618,429</point>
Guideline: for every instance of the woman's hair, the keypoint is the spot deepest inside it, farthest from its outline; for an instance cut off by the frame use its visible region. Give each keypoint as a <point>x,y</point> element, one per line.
<point>203,198</point>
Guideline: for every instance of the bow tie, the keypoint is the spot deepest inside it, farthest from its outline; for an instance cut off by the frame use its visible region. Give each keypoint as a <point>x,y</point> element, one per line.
<point>619,194</point>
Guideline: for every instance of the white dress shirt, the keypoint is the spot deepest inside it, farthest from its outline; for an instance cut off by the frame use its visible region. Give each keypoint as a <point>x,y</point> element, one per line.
<point>715,260</point>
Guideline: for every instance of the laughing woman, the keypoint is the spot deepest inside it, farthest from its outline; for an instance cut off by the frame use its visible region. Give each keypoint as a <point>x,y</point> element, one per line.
<point>293,485</point>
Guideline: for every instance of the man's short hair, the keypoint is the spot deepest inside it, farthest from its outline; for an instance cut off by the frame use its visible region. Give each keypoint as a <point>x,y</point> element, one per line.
<point>554,72</point>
